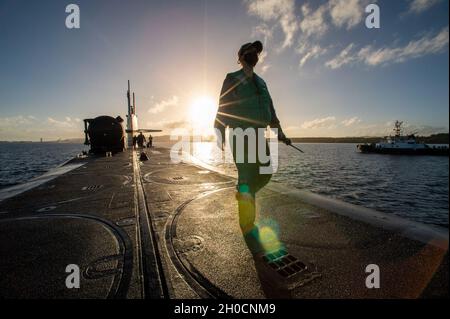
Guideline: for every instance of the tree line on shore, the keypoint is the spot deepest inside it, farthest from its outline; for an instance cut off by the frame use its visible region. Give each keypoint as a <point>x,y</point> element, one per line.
<point>441,138</point>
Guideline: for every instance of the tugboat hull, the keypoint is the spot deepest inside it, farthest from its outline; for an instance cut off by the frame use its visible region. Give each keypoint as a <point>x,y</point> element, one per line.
<point>372,148</point>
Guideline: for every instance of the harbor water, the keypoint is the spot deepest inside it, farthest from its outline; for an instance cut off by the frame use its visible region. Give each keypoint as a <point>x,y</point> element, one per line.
<point>23,161</point>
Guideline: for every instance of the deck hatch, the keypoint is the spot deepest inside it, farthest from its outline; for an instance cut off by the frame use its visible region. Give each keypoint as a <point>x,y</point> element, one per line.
<point>284,264</point>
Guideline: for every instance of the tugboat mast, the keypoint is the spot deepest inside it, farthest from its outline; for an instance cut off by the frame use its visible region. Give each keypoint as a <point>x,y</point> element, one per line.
<point>398,128</point>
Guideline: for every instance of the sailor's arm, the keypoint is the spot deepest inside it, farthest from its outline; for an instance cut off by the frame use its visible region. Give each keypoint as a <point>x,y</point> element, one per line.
<point>220,122</point>
<point>275,123</point>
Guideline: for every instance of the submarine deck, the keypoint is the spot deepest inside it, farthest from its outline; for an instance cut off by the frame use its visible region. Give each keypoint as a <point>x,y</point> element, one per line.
<point>155,229</point>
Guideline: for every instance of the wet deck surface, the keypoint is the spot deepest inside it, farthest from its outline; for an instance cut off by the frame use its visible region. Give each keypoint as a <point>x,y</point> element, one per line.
<point>156,229</point>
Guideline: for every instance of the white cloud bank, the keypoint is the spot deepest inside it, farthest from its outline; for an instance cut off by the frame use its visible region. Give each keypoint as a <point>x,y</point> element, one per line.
<point>325,122</point>
<point>351,121</point>
<point>22,127</point>
<point>163,105</point>
<point>371,56</point>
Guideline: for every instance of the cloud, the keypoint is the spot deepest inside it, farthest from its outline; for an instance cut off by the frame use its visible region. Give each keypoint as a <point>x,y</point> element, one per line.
<point>311,25</point>
<point>265,68</point>
<point>283,12</point>
<point>15,121</point>
<point>313,22</point>
<point>347,13</point>
<point>343,13</point>
<point>21,122</point>
<point>22,127</point>
<point>426,45</point>
<point>67,123</point>
<point>319,123</point>
<point>175,124</point>
<point>415,49</point>
<point>351,121</point>
<point>419,6</point>
<point>342,58</point>
<point>262,57</point>
<point>291,128</point>
<point>264,31</point>
<point>308,52</point>
<point>163,105</point>
<point>168,124</point>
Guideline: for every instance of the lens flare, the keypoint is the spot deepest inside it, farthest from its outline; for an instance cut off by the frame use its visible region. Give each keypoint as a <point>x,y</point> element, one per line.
<point>269,240</point>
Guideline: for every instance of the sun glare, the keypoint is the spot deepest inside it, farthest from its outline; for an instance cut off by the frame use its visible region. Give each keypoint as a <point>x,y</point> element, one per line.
<point>202,113</point>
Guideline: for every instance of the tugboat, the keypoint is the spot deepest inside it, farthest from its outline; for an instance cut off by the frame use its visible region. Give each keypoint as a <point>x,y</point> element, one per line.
<point>402,144</point>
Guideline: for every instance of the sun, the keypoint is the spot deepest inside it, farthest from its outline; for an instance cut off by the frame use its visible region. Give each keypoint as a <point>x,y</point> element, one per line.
<point>202,113</point>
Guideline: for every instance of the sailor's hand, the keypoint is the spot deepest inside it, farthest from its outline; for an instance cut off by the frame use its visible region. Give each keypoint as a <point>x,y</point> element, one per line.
<point>284,139</point>
<point>288,141</point>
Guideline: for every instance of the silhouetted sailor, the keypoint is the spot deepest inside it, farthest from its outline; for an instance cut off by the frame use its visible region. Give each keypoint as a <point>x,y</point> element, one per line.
<point>245,103</point>
<point>150,141</point>
<point>141,140</point>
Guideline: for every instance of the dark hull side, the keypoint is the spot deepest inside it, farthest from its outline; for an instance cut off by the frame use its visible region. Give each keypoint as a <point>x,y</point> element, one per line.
<point>368,148</point>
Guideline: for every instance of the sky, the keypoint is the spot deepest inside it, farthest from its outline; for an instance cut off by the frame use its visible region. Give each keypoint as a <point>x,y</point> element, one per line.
<point>328,74</point>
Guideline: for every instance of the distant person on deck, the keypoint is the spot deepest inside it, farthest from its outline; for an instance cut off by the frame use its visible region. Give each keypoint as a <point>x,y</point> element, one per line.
<point>150,141</point>
<point>245,103</point>
<point>141,140</point>
<point>134,141</point>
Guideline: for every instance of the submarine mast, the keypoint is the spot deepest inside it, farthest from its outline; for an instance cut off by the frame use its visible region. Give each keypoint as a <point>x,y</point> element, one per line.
<point>132,122</point>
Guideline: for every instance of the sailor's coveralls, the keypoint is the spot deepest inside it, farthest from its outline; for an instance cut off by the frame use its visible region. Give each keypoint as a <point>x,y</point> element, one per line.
<point>246,103</point>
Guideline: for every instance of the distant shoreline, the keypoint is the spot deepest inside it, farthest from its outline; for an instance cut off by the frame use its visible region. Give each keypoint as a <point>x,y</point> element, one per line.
<point>441,138</point>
